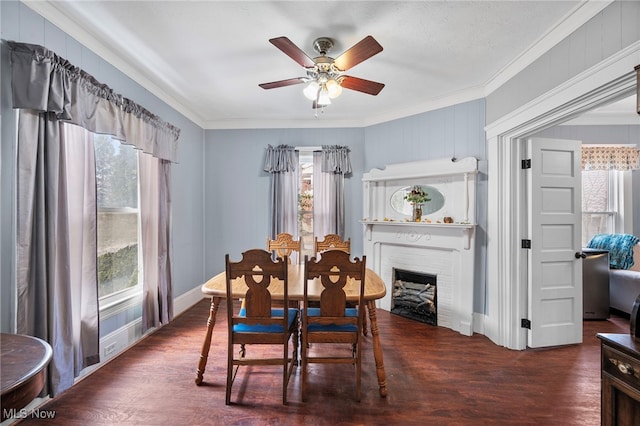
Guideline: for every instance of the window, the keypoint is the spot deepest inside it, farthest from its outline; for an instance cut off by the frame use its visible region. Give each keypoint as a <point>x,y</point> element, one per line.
<point>118,221</point>
<point>605,196</point>
<point>305,201</point>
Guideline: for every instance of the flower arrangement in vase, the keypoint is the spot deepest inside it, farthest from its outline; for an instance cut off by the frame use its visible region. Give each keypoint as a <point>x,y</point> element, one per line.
<point>417,196</point>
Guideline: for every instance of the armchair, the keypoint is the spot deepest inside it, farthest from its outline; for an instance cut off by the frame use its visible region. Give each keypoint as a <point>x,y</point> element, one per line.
<point>624,271</point>
<point>625,284</point>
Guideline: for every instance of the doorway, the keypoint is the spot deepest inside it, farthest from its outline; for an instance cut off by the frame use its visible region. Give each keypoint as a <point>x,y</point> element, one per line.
<point>507,213</point>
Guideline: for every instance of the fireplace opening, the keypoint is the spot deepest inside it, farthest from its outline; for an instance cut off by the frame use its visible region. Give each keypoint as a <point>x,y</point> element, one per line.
<point>414,296</point>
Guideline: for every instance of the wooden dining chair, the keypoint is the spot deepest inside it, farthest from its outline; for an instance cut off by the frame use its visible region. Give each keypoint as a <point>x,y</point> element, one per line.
<point>257,322</point>
<point>284,245</point>
<point>333,322</point>
<point>332,242</point>
<point>335,242</point>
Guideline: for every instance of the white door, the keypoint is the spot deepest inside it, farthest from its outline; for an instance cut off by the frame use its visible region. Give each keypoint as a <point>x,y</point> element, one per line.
<point>555,228</point>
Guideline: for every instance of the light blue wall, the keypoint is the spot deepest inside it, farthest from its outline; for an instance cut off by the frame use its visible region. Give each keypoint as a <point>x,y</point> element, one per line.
<point>220,192</point>
<point>19,23</point>
<point>237,188</point>
<point>593,134</point>
<point>455,131</point>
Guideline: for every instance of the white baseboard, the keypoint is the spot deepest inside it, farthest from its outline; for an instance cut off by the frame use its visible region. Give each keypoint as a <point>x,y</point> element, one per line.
<point>187,300</point>
<point>126,336</point>
<point>478,323</point>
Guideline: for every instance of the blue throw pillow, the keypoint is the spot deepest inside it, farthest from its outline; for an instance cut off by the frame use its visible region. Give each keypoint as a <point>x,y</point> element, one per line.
<point>619,246</point>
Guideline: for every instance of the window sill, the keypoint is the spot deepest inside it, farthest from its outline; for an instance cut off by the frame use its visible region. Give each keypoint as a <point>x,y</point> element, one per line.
<point>115,305</point>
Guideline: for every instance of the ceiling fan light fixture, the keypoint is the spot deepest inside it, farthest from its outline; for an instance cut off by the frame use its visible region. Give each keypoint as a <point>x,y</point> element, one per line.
<point>333,88</point>
<point>324,98</point>
<point>311,91</point>
<point>325,75</point>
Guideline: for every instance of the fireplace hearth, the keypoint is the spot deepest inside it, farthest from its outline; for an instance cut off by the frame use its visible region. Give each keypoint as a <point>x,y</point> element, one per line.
<point>414,296</point>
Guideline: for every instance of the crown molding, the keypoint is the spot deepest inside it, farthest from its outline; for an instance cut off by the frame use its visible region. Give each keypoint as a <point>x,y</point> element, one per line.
<point>573,20</point>
<point>51,13</point>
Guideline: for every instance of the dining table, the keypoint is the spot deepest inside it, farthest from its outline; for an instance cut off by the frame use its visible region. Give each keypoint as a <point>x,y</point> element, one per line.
<point>374,289</point>
<point>23,360</point>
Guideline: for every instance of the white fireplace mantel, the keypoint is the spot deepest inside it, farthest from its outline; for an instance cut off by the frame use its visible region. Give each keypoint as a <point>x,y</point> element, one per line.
<point>417,229</point>
<point>446,250</point>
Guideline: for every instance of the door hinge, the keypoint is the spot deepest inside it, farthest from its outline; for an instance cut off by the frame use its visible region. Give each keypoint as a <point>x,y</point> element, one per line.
<point>526,244</point>
<point>525,323</point>
<point>526,164</point>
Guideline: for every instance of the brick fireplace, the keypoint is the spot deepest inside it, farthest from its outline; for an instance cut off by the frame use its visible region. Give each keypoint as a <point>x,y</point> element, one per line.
<point>431,247</point>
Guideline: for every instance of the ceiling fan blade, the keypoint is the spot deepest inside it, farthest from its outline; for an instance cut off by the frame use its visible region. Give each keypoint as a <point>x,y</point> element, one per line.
<point>361,85</point>
<point>292,51</point>
<point>282,83</point>
<point>364,49</point>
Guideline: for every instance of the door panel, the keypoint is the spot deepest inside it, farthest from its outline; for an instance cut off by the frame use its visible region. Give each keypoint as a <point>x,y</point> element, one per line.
<point>555,275</point>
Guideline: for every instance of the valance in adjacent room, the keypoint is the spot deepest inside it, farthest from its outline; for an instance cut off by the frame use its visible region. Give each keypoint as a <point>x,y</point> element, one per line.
<point>610,157</point>
<point>45,82</point>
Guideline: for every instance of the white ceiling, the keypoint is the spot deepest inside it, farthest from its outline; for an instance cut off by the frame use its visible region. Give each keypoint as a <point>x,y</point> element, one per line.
<point>206,58</point>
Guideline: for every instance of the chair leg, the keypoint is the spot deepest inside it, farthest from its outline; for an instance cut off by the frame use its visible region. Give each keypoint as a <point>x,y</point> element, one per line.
<point>364,325</point>
<point>303,382</point>
<point>358,373</point>
<point>230,375</point>
<point>285,372</point>
<point>296,346</point>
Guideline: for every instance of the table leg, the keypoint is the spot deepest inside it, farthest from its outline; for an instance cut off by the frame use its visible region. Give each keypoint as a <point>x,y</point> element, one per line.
<point>377,348</point>
<point>204,354</point>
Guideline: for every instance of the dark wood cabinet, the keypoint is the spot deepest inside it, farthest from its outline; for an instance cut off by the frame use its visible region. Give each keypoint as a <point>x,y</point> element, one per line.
<point>620,368</point>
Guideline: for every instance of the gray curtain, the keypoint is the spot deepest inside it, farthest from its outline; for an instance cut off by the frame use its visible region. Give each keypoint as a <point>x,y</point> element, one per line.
<point>330,166</point>
<point>57,287</point>
<point>56,207</point>
<point>82,219</point>
<point>155,218</point>
<point>282,163</point>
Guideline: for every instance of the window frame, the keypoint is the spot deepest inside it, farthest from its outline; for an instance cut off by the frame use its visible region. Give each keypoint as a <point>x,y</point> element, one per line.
<point>619,200</point>
<point>123,300</point>
<point>306,152</point>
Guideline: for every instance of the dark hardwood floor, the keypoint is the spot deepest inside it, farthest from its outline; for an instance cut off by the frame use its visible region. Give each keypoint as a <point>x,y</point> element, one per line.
<point>434,376</point>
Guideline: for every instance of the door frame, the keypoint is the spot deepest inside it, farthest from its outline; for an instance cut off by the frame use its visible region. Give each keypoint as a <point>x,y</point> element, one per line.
<point>506,301</point>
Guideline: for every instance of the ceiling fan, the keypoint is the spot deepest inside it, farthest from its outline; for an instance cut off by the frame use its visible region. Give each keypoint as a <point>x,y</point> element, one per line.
<point>325,74</point>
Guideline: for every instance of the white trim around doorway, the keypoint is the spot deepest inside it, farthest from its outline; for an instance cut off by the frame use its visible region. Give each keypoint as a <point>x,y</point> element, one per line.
<point>506,299</point>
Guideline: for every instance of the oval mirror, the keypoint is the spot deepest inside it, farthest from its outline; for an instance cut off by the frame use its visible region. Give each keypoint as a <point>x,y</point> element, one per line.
<point>402,206</point>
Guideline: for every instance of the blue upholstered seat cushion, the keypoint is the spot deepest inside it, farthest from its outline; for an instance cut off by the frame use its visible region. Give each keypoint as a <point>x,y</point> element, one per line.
<point>350,312</point>
<point>260,328</point>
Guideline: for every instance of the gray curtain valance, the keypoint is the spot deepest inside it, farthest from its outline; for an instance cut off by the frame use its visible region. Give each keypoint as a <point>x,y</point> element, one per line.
<point>335,159</point>
<point>282,158</point>
<point>45,82</point>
